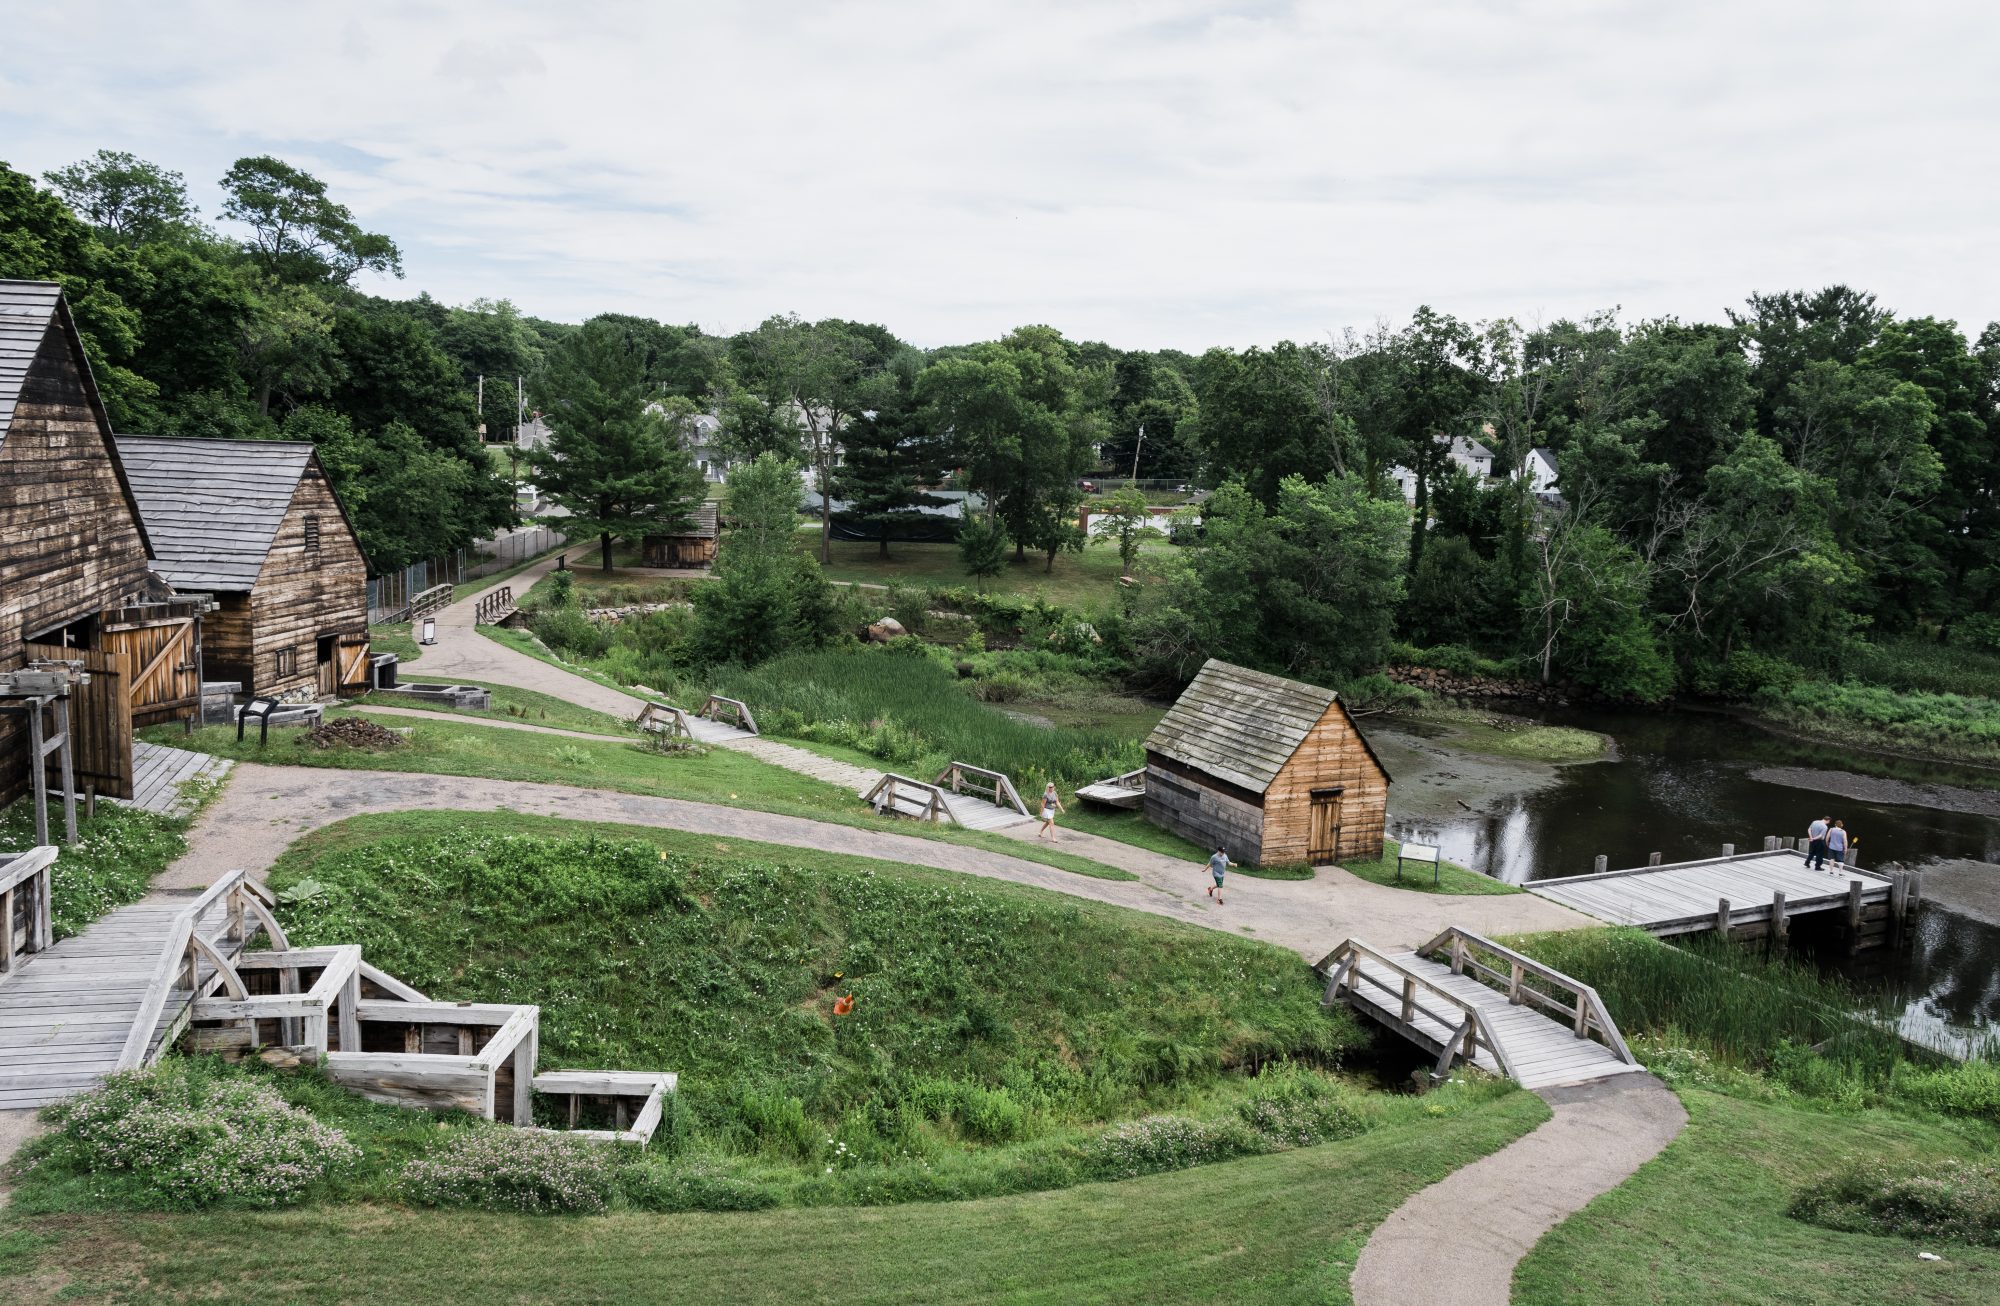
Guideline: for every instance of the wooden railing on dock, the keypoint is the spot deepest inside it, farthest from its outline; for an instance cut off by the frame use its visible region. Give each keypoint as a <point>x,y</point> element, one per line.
<point>186,951</point>
<point>26,926</point>
<point>494,608</point>
<point>1403,1004</point>
<point>901,795</point>
<point>993,786</point>
<point>1576,1002</point>
<point>735,708</point>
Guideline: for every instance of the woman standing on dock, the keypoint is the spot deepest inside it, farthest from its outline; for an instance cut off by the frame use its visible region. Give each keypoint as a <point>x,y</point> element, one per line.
<point>1836,843</point>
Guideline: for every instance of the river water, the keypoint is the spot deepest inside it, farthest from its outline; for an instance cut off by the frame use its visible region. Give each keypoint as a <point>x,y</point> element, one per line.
<point>1683,784</point>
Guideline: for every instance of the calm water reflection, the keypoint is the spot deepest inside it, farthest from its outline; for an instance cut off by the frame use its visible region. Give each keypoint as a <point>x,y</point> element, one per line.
<point>1682,786</point>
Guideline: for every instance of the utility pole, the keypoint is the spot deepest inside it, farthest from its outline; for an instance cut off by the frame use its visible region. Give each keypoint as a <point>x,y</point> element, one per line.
<point>520,407</point>
<point>481,404</point>
<point>1135,454</point>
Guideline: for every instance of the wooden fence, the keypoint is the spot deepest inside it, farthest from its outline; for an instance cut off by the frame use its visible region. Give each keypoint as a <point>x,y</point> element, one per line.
<point>100,719</point>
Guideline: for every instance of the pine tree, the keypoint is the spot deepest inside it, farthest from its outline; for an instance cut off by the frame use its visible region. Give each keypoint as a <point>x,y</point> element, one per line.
<point>888,459</point>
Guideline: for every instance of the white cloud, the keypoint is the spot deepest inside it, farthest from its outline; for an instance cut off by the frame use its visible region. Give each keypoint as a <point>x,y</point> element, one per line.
<point>1150,174</point>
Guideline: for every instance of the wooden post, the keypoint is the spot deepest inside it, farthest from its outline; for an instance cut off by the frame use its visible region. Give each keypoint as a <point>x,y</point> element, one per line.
<point>1729,850</point>
<point>524,1075</point>
<point>350,1014</point>
<point>68,776</point>
<point>38,773</point>
<point>1409,998</point>
<point>1722,917</point>
<point>1600,865</point>
<point>1514,984</point>
<point>1457,955</point>
<point>1770,843</point>
<point>1781,927</point>
<point>1854,904</point>
<point>1652,859</point>
<point>1916,891</point>
<point>7,930</point>
<point>1899,894</point>
<point>288,1026</point>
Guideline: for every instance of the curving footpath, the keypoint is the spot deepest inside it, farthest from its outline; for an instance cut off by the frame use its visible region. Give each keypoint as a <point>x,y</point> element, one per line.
<point>1457,1242</point>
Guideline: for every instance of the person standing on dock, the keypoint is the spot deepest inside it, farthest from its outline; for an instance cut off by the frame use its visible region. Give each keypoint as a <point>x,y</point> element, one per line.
<point>1836,843</point>
<point>1816,842</point>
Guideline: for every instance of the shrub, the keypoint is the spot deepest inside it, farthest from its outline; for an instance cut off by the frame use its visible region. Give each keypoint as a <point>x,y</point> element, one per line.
<point>570,632</point>
<point>1294,1107</point>
<point>506,1169</point>
<point>1956,1200</point>
<point>191,1136</point>
<point>562,588</point>
<point>1158,1143</point>
<point>1971,1089</point>
<point>696,1186</point>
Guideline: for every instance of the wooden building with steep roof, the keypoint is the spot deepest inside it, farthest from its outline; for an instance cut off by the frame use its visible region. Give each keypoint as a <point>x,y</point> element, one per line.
<point>256,525</point>
<point>75,578</point>
<point>692,545</point>
<point>1271,770</point>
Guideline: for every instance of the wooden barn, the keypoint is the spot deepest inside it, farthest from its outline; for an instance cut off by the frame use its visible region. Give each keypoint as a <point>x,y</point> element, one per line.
<point>1274,771</point>
<point>75,582</point>
<point>256,525</point>
<point>691,546</point>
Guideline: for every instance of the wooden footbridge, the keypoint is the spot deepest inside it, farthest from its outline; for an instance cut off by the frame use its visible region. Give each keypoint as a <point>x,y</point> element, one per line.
<point>1467,999</point>
<point>118,995</point>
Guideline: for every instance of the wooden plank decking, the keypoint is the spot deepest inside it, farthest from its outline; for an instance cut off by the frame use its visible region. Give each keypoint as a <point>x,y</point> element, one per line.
<point>1541,1052</point>
<point>1683,898</point>
<point>158,772</point>
<point>64,1018</point>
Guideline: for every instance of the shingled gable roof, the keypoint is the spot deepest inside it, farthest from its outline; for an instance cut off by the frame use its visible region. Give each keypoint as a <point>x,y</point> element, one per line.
<point>26,309</point>
<point>214,506</point>
<point>1242,726</point>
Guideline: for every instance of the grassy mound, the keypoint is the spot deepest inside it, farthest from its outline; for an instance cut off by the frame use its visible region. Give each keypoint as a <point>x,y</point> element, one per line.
<point>117,853</point>
<point>983,1015</point>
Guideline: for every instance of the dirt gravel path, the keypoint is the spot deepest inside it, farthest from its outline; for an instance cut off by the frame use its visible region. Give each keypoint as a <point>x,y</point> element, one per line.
<point>1457,1242</point>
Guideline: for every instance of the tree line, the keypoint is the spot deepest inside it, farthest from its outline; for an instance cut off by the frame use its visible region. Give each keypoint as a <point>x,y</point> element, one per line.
<point>1738,501</point>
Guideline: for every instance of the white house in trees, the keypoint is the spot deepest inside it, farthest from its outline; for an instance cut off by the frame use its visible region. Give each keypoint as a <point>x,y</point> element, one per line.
<point>1539,471</point>
<point>1475,458</point>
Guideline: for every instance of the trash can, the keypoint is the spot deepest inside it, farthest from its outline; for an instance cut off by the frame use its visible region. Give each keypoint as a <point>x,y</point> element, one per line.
<point>385,670</point>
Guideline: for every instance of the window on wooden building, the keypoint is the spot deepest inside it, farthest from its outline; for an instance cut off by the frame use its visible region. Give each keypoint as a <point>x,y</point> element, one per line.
<point>288,661</point>
<point>312,534</point>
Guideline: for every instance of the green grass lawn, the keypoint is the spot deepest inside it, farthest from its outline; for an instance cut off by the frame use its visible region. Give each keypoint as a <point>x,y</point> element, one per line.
<point>511,704</point>
<point>1080,580</point>
<point>1452,878</point>
<point>117,853</point>
<point>395,637</point>
<point>448,747</point>
<point>1705,1221</point>
<point>1281,1228</point>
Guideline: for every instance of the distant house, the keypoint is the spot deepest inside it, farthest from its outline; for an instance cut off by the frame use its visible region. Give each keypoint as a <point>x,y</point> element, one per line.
<point>1539,470</point>
<point>702,438</point>
<point>531,434</point>
<point>256,524</point>
<point>1272,770</point>
<point>75,581</point>
<point>1462,452</point>
<point>693,545</point>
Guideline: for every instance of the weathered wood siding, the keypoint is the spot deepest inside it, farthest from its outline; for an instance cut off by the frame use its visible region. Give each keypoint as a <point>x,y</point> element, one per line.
<point>1201,808</point>
<point>303,593</point>
<point>678,551</point>
<point>1332,756</point>
<point>70,545</point>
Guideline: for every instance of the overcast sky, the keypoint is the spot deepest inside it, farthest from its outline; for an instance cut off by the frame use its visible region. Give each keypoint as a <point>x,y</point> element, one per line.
<point>1171,174</point>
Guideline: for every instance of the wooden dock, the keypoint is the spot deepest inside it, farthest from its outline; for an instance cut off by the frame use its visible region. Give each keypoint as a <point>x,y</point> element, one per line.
<point>1751,894</point>
<point>159,772</point>
<point>1465,998</point>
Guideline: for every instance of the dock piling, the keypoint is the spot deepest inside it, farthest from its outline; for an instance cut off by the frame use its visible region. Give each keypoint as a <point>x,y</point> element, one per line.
<point>1600,865</point>
<point>1653,859</point>
<point>1729,850</point>
<point>1722,917</point>
<point>1770,843</point>
<point>1781,928</point>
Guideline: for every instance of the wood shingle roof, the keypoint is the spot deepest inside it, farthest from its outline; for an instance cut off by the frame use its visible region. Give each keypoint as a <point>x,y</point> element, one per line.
<point>212,507</point>
<point>1240,725</point>
<point>26,309</point>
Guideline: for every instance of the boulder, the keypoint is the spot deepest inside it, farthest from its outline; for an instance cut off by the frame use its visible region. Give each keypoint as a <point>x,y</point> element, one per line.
<point>888,628</point>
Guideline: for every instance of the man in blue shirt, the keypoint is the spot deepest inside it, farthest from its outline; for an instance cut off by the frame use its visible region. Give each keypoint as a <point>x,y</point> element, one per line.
<point>1216,866</point>
<point>1816,843</point>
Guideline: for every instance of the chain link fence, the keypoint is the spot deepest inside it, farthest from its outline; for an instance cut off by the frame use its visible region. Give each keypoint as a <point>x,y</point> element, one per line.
<point>389,596</point>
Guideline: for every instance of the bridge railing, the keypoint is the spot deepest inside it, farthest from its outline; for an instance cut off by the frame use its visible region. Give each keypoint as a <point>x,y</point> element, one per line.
<point>903,795</point>
<point>735,709</point>
<point>1343,969</point>
<point>1512,972</point>
<point>182,956</point>
<point>664,719</point>
<point>24,893</point>
<point>494,608</point>
<point>994,786</point>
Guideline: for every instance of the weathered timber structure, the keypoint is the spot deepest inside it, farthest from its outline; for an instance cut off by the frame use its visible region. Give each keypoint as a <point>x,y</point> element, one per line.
<point>1272,770</point>
<point>257,525</point>
<point>693,545</point>
<point>74,578</point>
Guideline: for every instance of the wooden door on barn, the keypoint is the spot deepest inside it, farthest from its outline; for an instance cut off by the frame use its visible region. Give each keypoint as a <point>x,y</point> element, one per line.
<point>1324,845</point>
<point>351,663</point>
<point>100,719</point>
<point>165,657</point>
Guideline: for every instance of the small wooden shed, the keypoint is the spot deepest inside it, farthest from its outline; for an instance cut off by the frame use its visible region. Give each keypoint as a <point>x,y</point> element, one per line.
<point>74,578</point>
<point>256,524</point>
<point>1272,770</point>
<point>691,546</point>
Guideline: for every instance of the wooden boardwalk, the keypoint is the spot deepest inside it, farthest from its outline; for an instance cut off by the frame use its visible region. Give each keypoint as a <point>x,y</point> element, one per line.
<point>158,772</point>
<point>1446,1008</point>
<point>65,1017</point>
<point>1687,897</point>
